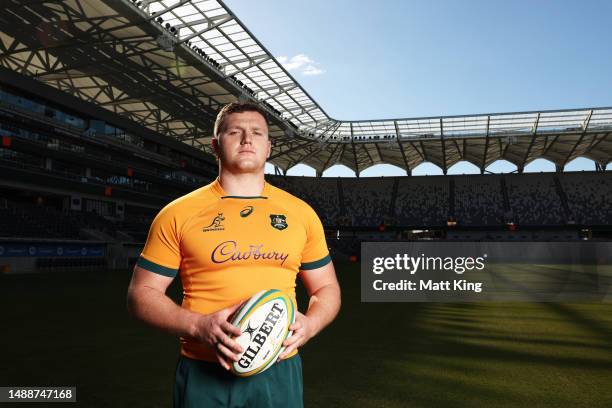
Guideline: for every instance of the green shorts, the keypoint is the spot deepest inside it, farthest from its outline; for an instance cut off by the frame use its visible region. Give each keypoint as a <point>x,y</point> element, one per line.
<point>202,384</point>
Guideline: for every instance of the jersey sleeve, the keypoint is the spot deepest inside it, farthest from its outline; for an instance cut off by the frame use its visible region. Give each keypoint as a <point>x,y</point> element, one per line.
<point>161,253</point>
<point>315,253</point>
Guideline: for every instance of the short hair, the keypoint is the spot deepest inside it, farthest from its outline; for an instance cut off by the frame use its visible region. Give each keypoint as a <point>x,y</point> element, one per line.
<point>236,107</point>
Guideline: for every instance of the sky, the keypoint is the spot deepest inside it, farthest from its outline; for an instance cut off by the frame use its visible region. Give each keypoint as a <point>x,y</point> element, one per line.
<point>401,59</point>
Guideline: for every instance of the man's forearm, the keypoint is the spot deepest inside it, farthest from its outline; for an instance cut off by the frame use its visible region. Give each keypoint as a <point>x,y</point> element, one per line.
<point>323,306</point>
<point>158,310</point>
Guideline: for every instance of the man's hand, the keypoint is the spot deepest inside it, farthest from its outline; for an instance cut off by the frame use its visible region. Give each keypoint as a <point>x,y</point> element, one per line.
<point>215,330</point>
<point>322,287</point>
<point>303,330</point>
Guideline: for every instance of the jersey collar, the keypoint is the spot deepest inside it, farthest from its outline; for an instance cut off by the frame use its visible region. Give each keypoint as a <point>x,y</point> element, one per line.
<point>218,190</point>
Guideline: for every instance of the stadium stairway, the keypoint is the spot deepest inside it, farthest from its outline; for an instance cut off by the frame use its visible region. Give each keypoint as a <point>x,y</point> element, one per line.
<point>451,197</point>
<point>393,197</point>
<point>504,190</point>
<point>563,198</point>
<point>124,236</point>
<point>341,197</point>
<point>95,235</point>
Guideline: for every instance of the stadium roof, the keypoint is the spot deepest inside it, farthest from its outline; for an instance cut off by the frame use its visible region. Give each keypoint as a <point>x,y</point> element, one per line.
<point>171,64</point>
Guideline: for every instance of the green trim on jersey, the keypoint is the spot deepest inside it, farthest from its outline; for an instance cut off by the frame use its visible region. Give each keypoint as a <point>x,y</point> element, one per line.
<point>316,264</point>
<point>246,197</point>
<point>158,269</point>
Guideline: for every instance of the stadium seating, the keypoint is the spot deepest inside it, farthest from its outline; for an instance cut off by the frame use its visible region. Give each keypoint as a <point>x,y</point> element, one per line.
<point>33,221</point>
<point>479,200</point>
<point>320,193</point>
<point>534,199</point>
<point>367,200</point>
<point>422,201</point>
<point>589,197</point>
<point>545,200</point>
<point>28,220</point>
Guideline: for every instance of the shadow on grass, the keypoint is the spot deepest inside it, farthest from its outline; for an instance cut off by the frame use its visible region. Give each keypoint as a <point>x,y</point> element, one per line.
<point>72,329</point>
<point>459,355</point>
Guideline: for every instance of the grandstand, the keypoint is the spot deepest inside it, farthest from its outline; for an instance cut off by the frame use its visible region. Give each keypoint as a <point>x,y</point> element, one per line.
<point>103,124</point>
<point>106,115</point>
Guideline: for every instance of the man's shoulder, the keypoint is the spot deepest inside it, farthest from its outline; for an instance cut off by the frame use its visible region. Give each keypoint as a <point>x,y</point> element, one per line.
<point>193,199</point>
<point>280,194</point>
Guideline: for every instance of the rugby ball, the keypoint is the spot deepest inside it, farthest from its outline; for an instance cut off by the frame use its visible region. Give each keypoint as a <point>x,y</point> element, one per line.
<point>264,321</point>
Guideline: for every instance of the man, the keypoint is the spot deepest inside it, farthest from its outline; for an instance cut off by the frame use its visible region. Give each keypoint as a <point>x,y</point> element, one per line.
<point>229,240</point>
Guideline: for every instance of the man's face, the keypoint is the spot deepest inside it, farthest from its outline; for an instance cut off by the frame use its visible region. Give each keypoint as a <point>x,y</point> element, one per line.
<point>243,146</point>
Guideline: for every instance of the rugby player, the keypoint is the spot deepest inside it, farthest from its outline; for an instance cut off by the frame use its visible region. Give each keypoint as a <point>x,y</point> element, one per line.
<point>228,240</point>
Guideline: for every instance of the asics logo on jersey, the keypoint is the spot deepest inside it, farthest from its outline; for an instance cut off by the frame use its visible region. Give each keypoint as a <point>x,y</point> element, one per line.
<point>246,211</point>
<point>216,224</point>
<point>228,251</point>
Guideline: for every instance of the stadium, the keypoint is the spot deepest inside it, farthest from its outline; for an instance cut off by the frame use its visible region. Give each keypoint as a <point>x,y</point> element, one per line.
<point>106,115</point>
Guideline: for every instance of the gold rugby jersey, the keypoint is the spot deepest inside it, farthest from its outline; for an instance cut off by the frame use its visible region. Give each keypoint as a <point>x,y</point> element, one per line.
<point>227,248</point>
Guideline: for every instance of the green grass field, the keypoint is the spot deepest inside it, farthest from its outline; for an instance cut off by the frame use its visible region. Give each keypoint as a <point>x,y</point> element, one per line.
<point>72,329</point>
